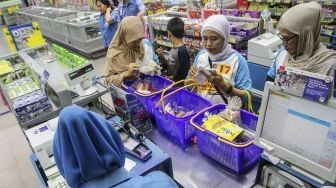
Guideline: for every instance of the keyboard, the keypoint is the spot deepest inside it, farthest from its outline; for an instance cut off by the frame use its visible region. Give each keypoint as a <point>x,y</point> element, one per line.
<point>58,182</point>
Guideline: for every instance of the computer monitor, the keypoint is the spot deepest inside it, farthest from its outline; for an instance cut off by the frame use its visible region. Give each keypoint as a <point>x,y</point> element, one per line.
<point>298,131</point>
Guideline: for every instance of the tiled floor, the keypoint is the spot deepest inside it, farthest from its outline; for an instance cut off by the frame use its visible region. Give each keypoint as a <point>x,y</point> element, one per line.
<point>16,170</point>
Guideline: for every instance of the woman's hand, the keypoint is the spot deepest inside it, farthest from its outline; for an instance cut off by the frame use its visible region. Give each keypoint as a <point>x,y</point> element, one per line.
<point>193,71</point>
<point>217,80</point>
<point>159,51</point>
<point>133,71</point>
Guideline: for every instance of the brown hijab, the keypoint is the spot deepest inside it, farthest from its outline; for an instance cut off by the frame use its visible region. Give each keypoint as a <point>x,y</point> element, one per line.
<point>304,20</point>
<point>119,54</point>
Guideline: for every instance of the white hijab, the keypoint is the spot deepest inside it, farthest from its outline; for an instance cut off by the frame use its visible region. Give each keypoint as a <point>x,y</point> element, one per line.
<point>304,20</point>
<point>220,25</point>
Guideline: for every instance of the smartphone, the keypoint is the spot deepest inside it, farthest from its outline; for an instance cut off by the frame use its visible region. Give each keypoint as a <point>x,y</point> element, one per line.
<point>201,76</point>
<point>205,71</point>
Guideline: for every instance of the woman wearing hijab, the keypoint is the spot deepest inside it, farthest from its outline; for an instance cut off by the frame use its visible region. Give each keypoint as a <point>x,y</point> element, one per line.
<point>226,70</point>
<point>124,51</point>
<point>299,30</point>
<point>89,153</point>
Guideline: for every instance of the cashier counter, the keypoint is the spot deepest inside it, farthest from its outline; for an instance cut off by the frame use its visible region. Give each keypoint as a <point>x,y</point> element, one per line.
<point>41,141</point>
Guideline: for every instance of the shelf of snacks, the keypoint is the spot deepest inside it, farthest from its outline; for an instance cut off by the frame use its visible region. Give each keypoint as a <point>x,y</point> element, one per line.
<point>24,92</point>
<point>159,6</point>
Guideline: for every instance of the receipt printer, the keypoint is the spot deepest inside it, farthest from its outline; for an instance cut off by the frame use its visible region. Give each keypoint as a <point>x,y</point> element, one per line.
<point>263,49</point>
<point>41,140</point>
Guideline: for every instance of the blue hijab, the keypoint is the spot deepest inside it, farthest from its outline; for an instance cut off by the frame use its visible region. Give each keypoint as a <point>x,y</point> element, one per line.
<point>86,146</point>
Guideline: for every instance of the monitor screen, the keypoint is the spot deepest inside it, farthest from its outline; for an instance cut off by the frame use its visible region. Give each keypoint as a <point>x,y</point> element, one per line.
<point>300,126</point>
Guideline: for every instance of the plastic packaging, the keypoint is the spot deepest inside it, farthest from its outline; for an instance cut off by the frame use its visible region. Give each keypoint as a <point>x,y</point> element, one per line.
<point>178,129</point>
<point>157,82</point>
<point>147,65</point>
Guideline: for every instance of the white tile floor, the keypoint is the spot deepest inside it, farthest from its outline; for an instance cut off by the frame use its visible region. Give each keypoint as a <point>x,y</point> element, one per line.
<point>16,170</point>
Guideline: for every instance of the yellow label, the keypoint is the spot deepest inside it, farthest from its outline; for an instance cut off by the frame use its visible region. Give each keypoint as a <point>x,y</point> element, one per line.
<point>5,67</point>
<point>12,8</point>
<point>9,39</point>
<point>36,39</point>
<point>232,40</point>
<point>213,123</point>
<point>229,131</point>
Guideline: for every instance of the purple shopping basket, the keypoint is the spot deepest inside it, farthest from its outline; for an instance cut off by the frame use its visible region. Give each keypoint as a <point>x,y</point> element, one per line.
<point>158,81</point>
<point>236,156</point>
<point>178,129</point>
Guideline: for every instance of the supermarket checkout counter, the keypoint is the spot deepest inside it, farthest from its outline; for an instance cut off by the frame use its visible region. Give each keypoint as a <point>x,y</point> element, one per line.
<point>194,169</point>
<point>40,139</point>
<point>198,171</point>
<point>159,161</point>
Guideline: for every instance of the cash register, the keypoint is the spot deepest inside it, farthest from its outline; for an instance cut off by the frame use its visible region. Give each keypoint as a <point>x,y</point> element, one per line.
<point>299,141</point>
<point>80,80</point>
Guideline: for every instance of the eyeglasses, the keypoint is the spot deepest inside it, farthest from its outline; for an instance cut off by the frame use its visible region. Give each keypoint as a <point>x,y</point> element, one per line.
<point>285,41</point>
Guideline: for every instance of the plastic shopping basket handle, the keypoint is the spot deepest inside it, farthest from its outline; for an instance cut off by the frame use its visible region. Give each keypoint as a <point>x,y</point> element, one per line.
<point>163,96</point>
<point>169,87</point>
<point>249,101</point>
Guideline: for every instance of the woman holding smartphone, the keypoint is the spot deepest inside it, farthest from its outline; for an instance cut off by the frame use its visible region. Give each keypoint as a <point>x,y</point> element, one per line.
<point>225,69</point>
